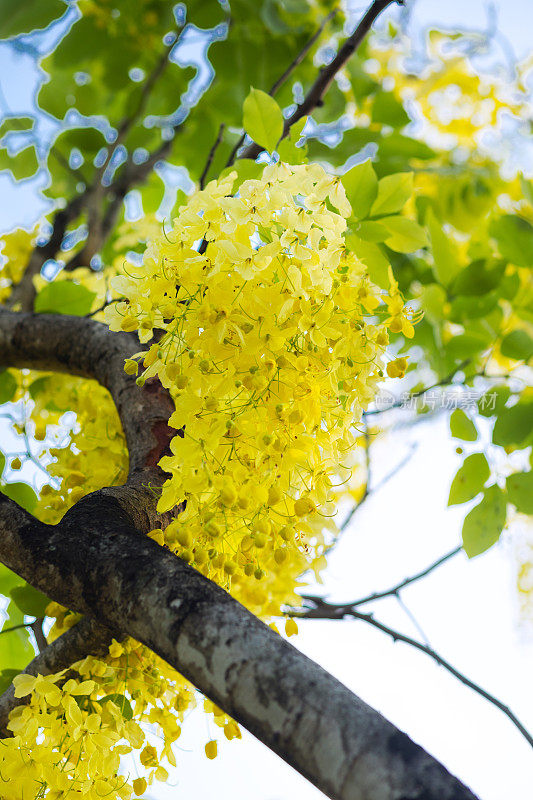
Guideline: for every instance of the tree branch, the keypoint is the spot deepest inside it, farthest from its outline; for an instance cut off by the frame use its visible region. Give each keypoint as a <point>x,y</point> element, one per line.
<point>95,562</point>
<point>285,75</point>
<point>325,610</point>
<point>315,95</point>
<point>392,592</point>
<point>80,346</point>
<point>23,293</point>
<point>211,155</point>
<point>420,392</point>
<point>132,174</point>
<point>83,347</point>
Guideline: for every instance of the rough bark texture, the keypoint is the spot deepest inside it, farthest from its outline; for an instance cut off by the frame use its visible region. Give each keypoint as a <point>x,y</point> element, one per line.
<point>97,561</point>
<point>301,712</point>
<point>80,346</point>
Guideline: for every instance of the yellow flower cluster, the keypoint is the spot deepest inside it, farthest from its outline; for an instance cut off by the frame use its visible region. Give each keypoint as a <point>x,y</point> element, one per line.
<point>70,737</point>
<point>273,344</point>
<point>272,348</point>
<point>16,250</point>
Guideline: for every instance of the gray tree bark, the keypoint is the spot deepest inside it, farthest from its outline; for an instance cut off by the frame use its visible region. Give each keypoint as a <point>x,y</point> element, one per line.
<point>97,561</point>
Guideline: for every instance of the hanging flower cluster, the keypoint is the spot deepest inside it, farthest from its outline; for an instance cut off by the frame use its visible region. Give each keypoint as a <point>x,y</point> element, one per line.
<point>271,348</point>
<point>271,339</point>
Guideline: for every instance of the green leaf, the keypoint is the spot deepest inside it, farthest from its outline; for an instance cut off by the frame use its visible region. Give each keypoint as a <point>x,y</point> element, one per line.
<point>29,600</point>
<point>8,580</point>
<point>446,261</point>
<point>476,279</point>
<point>483,525</point>
<point>467,345</point>
<point>361,185</point>
<point>6,678</point>
<point>397,147</point>
<point>22,165</point>
<point>23,16</point>
<point>16,124</point>
<point>288,150</point>
<point>64,297</point>
<point>493,401</point>
<point>514,425</point>
<point>373,259</point>
<point>262,119</point>
<point>388,110</point>
<point>518,345</point>
<point>527,188</point>
<point>470,479</point>
<point>515,239</point>
<point>432,300</point>
<point>38,386</point>
<point>8,386</point>
<point>21,493</point>
<point>393,193</point>
<point>406,235</point>
<point>122,703</point>
<point>371,231</point>
<point>462,426</point>
<point>520,491</point>
<point>246,169</point>
<point>15,646</point>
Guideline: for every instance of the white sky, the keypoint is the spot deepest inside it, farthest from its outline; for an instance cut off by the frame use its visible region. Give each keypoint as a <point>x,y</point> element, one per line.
<point>467,609</point>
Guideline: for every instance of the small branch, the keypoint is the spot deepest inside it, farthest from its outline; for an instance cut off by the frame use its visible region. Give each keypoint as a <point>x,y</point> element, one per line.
<point>395,590</point>
<point>281,80</point>
<point>132,174</point>
<point>40,638</point>
<point>211,155</point>
<point>315,95</point>
<point>103,307</point>
<point>16,627</point>
<point>302,54</point>
<point>128,122</point>
<point>324,610</point>
<point>23,293</point>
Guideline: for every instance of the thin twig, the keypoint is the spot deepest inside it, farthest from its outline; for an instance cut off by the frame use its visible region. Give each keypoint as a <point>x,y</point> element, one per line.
<point>16,627</point>
<point>393,591</point>
<point>211,155</point>
<point>323,610</point>
<point>40,638</point>
<point>104,306</point>
<point>315,95</point>
<point>129,121</point>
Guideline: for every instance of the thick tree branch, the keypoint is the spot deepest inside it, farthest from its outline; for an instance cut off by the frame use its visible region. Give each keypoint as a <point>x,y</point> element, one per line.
<point>81,346</point>
<point>315,95</point>
<point>302,713</point>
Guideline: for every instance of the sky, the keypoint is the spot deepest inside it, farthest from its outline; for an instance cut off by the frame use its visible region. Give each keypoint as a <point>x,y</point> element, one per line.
<point>467,610</point>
